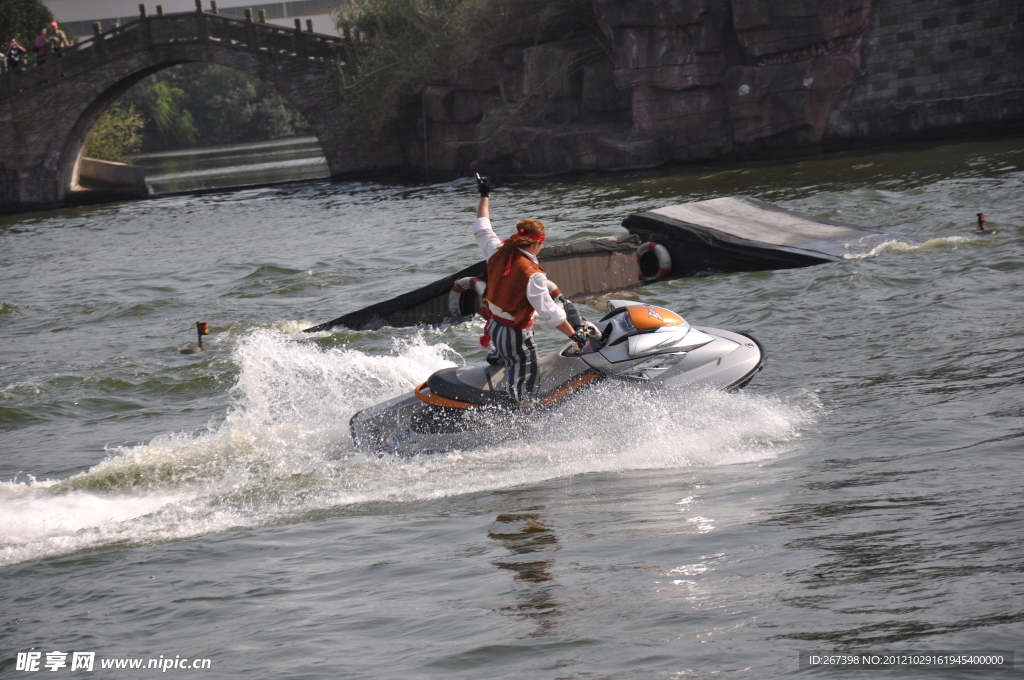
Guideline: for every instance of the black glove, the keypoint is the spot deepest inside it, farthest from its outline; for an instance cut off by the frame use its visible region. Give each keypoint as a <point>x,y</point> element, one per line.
<point>584,333</point>
<point>484,185</point>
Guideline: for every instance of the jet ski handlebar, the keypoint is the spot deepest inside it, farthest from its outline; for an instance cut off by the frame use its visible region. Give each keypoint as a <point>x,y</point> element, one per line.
<point>585,330</point>
<point>572,314</point>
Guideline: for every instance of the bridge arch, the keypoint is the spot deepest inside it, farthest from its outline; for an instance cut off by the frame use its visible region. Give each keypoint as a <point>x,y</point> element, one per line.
<point>73,150</point>
<point>47,113</point>
<point>118,82</point>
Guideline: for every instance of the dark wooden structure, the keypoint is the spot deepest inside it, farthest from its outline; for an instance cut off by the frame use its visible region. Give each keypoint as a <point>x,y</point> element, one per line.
<point>582,269</point>
<point>733,233</point>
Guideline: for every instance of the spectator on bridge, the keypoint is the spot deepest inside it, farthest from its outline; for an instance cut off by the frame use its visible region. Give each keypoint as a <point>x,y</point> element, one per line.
<point>58,40</point>
<point>42,46</point>
<point>15,57</point>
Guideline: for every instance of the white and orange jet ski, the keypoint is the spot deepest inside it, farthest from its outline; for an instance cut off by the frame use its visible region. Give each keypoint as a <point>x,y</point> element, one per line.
<point>466,406</point>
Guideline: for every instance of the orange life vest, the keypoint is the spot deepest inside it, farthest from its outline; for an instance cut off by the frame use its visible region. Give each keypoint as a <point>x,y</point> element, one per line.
<point>506,293</point>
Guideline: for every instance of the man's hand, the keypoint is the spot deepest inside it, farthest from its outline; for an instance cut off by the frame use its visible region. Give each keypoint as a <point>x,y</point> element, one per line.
<point>580,337</point>
<point>584,333</point>
<point>483,184</point>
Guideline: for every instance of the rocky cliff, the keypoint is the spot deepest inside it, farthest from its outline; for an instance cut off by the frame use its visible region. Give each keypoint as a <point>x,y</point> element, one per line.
<point>698,79</point>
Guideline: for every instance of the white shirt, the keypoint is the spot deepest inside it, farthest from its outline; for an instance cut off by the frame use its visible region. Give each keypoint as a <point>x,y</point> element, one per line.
<point>537,287</point>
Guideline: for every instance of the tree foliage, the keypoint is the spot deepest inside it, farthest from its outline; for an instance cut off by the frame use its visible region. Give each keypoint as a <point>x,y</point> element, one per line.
<point>168,124</point>
<point>209,105</point>
<point>116,134</point>
<point>22,20</point>
<point>399,47</point>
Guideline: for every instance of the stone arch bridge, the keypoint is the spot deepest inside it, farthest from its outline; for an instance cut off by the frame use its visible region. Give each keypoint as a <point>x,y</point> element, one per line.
<point>47,112</point>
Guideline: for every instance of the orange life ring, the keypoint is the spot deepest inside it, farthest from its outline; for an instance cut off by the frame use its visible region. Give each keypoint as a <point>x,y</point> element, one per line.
<point>664,260</point>
<point>479,286</point>
<point>473,283</point>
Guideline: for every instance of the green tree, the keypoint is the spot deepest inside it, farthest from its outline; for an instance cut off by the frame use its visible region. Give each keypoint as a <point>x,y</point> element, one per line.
<point>398,47</point>
<point>210,105</point>
<point>168,124</point>
<point>116,134</point>
<point>22,20</point>
<point>224,101</point>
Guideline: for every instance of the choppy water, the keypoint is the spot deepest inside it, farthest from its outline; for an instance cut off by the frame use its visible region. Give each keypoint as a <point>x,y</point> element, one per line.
<point>862,493</point>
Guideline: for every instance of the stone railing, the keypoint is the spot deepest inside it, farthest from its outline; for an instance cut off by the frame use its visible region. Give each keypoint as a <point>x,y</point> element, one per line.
<point>160,30</point>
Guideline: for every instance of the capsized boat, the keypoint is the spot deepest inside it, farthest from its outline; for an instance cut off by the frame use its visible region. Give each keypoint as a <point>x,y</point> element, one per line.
<point>742,234</point>
<point>466,407</point>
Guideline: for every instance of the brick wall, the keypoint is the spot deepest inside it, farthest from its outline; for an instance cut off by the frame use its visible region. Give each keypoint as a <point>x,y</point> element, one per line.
<point>935,66</point>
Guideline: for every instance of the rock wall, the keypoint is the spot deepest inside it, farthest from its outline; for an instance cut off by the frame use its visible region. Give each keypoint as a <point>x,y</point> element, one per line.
<point>684,80</point>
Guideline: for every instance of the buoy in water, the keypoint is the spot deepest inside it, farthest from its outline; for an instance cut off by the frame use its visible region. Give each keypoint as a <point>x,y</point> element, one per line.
<point>982,224</point>
<point>202,328</point>
<point>654,261</point>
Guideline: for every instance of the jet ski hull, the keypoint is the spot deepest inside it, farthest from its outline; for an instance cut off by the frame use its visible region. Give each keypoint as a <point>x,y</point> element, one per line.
<point>411,425</point>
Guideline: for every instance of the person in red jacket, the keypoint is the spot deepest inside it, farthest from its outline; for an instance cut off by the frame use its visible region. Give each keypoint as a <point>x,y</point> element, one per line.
<point>516,292</point>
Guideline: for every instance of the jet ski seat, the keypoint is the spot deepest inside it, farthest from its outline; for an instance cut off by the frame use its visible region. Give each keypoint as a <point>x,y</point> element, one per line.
<point>471,384</point>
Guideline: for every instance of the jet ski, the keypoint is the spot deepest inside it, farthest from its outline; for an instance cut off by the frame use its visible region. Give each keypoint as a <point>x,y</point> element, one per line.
<point>466,407</point>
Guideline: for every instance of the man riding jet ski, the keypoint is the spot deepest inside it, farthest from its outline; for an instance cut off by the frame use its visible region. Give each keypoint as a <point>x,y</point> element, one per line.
<point>517,291</point>
<point>470,406</point>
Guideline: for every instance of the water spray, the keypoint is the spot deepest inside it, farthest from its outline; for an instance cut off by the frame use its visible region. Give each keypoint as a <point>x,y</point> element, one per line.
<point>202,328</point>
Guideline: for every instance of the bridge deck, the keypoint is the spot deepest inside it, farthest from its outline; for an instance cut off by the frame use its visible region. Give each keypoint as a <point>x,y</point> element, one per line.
<point>171,29</point>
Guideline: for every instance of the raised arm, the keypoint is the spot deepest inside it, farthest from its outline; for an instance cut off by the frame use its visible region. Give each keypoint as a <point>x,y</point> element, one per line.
<point>483,184</point>
<point>482,232</point>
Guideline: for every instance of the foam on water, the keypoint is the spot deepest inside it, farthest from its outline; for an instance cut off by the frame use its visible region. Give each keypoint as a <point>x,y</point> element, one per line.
<point>897,246</point>
<point>30,515</point>
<point>23,387</point>
<point>284,449</point>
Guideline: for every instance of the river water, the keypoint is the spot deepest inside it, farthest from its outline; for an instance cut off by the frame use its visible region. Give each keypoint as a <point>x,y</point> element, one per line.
<point>863,493</point>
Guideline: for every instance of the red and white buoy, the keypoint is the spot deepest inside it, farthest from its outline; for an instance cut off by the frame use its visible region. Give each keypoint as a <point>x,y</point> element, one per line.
<point>663,257</point>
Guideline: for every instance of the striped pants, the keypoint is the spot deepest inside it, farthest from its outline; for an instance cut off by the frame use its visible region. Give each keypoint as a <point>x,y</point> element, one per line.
<point>518,349</point>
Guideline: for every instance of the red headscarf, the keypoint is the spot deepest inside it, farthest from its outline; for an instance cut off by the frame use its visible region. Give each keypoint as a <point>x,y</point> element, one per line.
<point>526,230</point>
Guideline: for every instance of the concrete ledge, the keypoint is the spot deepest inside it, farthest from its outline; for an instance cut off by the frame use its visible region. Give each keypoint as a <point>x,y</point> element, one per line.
<point>94,173</point>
